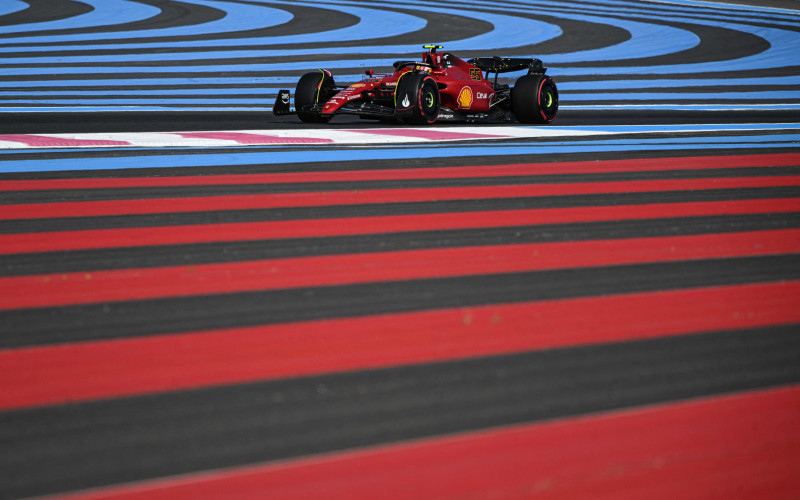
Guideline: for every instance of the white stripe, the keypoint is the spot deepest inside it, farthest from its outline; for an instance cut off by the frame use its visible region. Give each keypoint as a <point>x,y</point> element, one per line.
<point>369,137</point>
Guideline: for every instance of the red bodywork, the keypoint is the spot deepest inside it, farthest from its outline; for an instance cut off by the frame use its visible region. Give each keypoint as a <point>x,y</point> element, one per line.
<point>462,86</point>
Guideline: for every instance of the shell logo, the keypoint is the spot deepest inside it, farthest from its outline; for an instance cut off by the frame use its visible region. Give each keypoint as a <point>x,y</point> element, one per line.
<point>465,98</point>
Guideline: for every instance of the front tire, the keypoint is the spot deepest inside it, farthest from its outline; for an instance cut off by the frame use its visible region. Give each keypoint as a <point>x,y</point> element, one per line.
<point>534,99</point>
<point>417,99</point>
<point>313,88</point>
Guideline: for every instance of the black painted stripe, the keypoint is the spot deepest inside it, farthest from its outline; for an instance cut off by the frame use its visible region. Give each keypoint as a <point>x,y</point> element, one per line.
<point>90,444</point>
<point>173,14</point>
<point>410,208</point>
<point>306,19</point>
<point>42,12</point>
<point>714,41</point>
<point>239,251</point>
<point>183,314</point>
<point>68,195</point>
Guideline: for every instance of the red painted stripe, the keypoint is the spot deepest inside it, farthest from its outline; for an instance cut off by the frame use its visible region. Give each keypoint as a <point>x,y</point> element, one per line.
<point>174,235</point>
<point>83,371</point>
<point>429,134</point>
<point>739,446</point>
<point>581,167</point>
<point>244,138</point>
<point>49,141</point>
<point>133,284</point>
<point>374,196</point>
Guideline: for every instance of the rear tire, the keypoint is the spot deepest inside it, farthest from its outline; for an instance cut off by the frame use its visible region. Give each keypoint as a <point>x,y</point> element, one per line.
<point>313,88</point>
<point>534,99</point>
<point>417,99</point>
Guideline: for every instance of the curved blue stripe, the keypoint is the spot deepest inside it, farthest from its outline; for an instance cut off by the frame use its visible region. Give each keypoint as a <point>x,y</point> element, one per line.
<point>523,30</point>
<point>509,31</point>
<point>736,7</point>
<point>390,23</point>
<point>238,17</point>
<point>647,39</point>
<point>782,52</point>
<point>11,6</point>
<point>663,9</point>
<point>104,13</point>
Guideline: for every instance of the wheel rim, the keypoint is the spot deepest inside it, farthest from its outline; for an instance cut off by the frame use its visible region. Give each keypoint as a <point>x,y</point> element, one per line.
<point>548,100</point>
<point>429,100</point>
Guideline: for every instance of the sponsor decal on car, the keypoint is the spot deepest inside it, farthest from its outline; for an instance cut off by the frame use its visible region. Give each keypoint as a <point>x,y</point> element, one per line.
<point>446,114</point>
<point>465,98</point>
<point>357,85</point>
<point>406,103</point>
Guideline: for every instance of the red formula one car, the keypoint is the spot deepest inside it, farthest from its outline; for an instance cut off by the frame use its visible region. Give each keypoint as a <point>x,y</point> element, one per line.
<point>441,87</point>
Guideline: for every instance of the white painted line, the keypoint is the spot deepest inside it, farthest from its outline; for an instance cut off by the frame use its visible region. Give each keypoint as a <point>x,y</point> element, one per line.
<point>366,136</point>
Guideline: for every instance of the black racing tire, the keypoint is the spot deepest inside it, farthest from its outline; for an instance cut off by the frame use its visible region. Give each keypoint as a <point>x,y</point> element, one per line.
<point>534,99</point>
<point>417,99</point>
<point>313,88</point>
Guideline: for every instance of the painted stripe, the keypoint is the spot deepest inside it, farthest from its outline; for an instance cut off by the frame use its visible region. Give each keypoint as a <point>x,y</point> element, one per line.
<point>86,107</point>
<point>737,446</point>
<point>775,29</point>
<point>273,83</point>
<point>250,231</point>
<point>109,12</point>
<point>137,284</point>
<point>317,199</point>
<point>747,144</point>
<point>45,375</point>
<point>102,13</point>
<point>574,167</point>
<point>243,138</point>
<point>742,106</point>
<point>627,84</point>
<point>431,134</point>
<point>372,17</point>
<point>12,6</point>
<point>44,141</point>
<point>748,95</point>
<point>362,136</point>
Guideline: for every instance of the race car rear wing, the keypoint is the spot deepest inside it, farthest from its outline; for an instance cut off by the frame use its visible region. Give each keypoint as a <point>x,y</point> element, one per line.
<point>506,65</point>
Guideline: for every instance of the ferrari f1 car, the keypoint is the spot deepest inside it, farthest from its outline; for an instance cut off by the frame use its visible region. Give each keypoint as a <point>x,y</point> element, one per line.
<point>441,88</point>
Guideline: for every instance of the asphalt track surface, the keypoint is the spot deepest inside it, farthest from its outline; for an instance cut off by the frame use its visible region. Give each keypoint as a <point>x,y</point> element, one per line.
<point>607,307</point>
